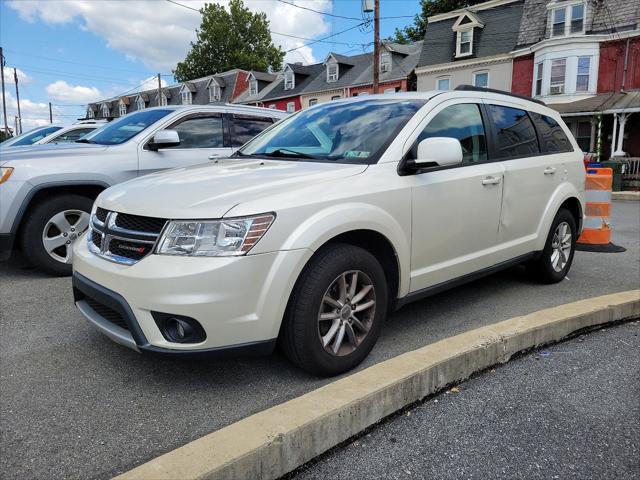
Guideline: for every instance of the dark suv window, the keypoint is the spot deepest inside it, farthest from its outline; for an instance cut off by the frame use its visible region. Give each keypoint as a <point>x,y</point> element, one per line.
<point>246,127</point>
<point>202,131</point>
<point>552,137</point>
<point>462,122</point>
<point>516,136</point>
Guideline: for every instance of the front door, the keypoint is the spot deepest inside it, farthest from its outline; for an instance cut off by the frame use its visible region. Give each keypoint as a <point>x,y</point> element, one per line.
<point>455,211</point>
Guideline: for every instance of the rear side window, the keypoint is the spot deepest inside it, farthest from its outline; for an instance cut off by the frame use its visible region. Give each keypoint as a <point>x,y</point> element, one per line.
<point>552,137</point>
<point>246,127</point>
<point>464,123</point>
<point>515,134</point>
<point>71,136</point>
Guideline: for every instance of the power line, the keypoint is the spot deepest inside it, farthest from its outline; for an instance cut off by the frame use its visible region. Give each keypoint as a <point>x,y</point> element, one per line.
<point>318,11</point>
<point>327,37</point>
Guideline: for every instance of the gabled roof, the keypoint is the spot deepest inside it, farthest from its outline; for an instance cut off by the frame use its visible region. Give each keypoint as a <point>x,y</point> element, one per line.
<point>341,59</point>
<point>467,19</point>
<point>262,76</point>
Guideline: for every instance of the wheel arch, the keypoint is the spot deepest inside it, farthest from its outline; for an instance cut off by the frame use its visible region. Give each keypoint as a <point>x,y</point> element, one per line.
<point>565,196</point>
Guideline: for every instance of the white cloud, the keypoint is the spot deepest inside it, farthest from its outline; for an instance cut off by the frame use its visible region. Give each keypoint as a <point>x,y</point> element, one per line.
<point>8,76</point>
<point>150,83</point>
<point>159,34</point>
<point>34,114</point>
<point>62,91</point>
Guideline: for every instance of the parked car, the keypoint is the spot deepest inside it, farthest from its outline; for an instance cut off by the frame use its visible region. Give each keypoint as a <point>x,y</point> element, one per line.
<point>318,227</point>
<point>30,137</point>
<point>72,132</point>
<point>46,191</point>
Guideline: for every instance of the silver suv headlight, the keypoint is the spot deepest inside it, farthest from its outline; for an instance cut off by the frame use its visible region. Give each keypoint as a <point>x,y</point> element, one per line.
<point>213,238</point>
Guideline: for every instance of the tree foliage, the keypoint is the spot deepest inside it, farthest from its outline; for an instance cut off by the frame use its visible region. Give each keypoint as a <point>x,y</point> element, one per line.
<point>415,32</point>
<point>237,38</point>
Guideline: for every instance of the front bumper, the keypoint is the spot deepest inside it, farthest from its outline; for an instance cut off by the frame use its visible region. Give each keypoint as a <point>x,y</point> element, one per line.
<point>239,301</point>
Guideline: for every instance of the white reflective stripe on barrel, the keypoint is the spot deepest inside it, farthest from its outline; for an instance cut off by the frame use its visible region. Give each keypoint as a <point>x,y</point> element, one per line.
<point>598,196</point>
<point>595,222</point>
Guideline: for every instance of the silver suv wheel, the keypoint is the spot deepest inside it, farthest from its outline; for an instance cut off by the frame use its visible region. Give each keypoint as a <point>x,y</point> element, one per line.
<point>61,231</point>
<point>346,313</point>
<point>561,245</point>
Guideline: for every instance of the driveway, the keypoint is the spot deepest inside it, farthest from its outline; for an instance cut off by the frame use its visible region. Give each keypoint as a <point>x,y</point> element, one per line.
<point>75,405</point>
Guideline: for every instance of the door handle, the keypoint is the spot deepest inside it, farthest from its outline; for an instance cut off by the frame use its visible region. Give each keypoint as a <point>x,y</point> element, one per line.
<point>214,156</point>
<point>550,170</point>
<point>491,181</point>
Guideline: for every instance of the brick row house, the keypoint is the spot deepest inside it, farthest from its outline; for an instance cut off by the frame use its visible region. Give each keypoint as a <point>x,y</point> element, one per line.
<point>582,58</point>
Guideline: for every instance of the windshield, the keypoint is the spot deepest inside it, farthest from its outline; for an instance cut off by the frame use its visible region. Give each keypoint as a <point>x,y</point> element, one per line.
<point>355,132</point>
<point>32,136</point>
<point>125,128</point>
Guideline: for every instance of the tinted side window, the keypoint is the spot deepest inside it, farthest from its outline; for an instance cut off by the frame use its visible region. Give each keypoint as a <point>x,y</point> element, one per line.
<point>552,136</point>
<point>246,127</point>
<point>516,136</point>
<point>462,122</point>
<point>72,136</point>
<point>200,132</point>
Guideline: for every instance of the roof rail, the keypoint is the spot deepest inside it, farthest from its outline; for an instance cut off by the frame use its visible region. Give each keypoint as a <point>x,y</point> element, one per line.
<point>472,88</point>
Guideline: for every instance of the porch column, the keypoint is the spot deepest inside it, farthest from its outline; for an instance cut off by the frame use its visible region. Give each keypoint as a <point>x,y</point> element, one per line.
<point>592,140</point>
<point>613,134</point>
<point>623,121</point>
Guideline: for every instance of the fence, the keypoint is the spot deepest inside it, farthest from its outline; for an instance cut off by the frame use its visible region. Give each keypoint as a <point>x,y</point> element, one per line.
<point>631,174</point>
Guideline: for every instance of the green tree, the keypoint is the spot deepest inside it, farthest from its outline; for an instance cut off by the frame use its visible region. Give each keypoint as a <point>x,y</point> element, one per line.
<point>415,32</point>
<point>230,39</point>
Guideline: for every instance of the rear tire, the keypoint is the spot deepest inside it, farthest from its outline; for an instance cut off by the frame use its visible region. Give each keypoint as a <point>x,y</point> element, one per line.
<point>336,311</point>
<point>554,262</point>
<point>50,230</point>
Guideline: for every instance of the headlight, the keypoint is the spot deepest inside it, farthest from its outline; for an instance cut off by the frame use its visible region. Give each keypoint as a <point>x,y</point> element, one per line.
<point>214,238</point>
<point>5,173</point>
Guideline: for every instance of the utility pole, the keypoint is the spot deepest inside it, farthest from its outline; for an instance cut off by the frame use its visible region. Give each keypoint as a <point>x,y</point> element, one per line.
<point>15,78</point>
<point>159,92</point>
<point>50,114</point>
<point>4,102</point>
<point>376,46</point>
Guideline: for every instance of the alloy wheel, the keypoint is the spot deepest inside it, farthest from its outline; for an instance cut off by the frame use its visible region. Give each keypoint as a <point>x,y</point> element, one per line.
<point>346,313</point>
<point>561,245</point>
<point>61,231</point>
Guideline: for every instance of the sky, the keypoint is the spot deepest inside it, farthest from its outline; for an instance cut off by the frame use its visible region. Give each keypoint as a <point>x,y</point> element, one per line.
<point>71,52</point>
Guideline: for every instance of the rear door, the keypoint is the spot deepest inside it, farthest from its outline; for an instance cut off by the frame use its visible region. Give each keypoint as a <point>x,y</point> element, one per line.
<point>202,138</point>
<point>530,176</point>
<point>455,211</point>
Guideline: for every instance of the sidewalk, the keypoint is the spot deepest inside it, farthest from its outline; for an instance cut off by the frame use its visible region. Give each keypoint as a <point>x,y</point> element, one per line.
<point>567,411</point>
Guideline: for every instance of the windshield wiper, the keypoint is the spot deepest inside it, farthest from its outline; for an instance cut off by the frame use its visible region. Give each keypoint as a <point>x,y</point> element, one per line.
<point>84,140</point>
<point>279,152</point>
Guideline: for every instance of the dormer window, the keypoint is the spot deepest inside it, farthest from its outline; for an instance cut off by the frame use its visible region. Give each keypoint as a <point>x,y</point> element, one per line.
<point>90,113</point>
<point>122,108</point>
<point>253,86</point>
<point>332,72</point>
<point>385,62</point>
<point>464,28</point>
<point>105,110</point>
<point>567,19</point>
<point>289,79</point>
<point>559,20</point>
<point>185,96</point>
<point>140,105</point>
<point>465,43</point>
<point>215,93</point>
<point>162,101</point>
<point>577,18</point>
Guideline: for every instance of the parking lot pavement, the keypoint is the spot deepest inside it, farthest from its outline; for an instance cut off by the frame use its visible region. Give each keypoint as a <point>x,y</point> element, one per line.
<point>567,411</point>
<point>75,405</point>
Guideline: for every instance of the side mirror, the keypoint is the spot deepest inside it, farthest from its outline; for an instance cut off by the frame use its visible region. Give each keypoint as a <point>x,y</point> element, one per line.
<point>164,139</point>
<point>438,152</point>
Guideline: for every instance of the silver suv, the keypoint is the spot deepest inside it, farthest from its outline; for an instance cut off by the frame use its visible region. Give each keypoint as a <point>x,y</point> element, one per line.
<point>46,191</point>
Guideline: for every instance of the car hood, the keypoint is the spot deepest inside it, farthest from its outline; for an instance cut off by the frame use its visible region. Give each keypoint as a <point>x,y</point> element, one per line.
<point>31,152</point>
<point>211,190</point>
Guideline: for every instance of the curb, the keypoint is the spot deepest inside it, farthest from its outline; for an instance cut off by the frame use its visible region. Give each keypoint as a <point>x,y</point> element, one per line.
<point>626,196</point>
<point>276,441</point>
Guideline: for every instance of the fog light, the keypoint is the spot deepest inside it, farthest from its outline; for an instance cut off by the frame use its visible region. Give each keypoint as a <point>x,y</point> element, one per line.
<point>179,329</point>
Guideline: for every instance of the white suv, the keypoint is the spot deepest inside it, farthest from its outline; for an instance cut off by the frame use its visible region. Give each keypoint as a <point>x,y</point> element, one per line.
<point>326,221</point>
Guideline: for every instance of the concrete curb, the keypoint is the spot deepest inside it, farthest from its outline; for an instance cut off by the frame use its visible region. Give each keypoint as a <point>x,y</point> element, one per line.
<point>275,441</point>
<point>626,196</point>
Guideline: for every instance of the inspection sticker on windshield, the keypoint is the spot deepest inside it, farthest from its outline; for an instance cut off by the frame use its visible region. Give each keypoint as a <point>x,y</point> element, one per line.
<point>356,154</point>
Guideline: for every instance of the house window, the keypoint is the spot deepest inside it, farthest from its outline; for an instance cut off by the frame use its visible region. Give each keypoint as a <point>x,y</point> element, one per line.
<point>577,18</point>
<point>214,93</point>
<point>389,90</point>
<point>163,100</point>
<point>465,43</point>
<point>122,108</point>
<point>90,113</point>
<point>185,96</point>
<point>332,72</point>
<point>289,80</point>
<point>336,97</point>
<point>558,71</point>
<point>105,110</point>
<point>313,101</point>
<point>582,79</point>
<point>481,79</point>
<point>558,16</point>
<point>443,84</point>
<point>291,107</point>
<point>253,87</point>
<point>385,62</point>
<point>140,105</point>
<point>272,106</point>
<point>539,70</point>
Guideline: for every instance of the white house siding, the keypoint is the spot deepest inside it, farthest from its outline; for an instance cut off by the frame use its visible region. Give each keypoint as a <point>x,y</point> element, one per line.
<point>499,74</point>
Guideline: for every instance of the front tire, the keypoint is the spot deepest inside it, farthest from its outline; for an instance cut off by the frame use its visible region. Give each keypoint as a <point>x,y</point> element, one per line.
<point>50,230</point>
<point>336,311</point>
<point>556,257</point>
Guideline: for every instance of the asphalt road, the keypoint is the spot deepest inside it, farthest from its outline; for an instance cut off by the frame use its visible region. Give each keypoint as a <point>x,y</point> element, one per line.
<point>75,405</point>
<point>570,411</point>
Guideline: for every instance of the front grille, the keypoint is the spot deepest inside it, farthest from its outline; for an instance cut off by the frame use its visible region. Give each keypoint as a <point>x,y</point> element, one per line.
<point>123,237</point>
<point>107,313</point>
